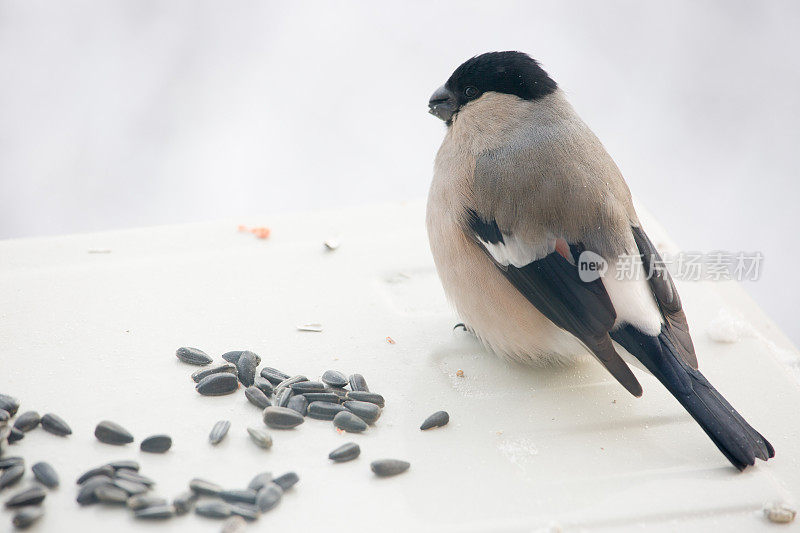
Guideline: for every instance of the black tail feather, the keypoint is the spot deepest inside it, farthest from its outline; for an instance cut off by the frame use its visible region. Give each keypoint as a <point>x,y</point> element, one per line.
<point>734,437</point>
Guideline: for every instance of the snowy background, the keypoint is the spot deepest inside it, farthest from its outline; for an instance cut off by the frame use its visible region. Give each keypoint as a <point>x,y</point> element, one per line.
<point>116,114</point>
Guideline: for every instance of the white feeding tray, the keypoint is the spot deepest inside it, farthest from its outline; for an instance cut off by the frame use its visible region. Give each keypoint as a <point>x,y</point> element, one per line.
<point>91,336</point>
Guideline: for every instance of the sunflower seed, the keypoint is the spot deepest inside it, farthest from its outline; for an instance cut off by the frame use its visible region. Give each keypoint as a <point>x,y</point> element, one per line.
<point>334,378</point>
<point>86,494</point>
<point>111,494</point>
<point>219,431</point>
<point>234,524</point>
<point>370,397</point>
<point>156,512</point>
<point>259,481</point>
<point>368,412</point>
<point>282,417</point>
<point>437,419</point>
<point>229,368</point>
<point>302,387</point>
<point>358,383</point>
<point>184,502</point>
<point>14,435</point>
<point>247,511</point>
<point>131,487</point>
<point>288,382</point>
<point>31,496</point>
<point>273,375</point>
<point>239,495</point>
<point>45,474</point>
<point>345,452</point>
<point>286,481</point>
<point>321,397</point>
<point>299,404</point>
<point>324,410</point>
<point>218,384</point>
<point>135,477</point>
<point>260,437</point>
<point>11,475</point>
<point>232,356</point>
<point>9,404</point>
<point>55,424</point>
<point>282,396</point>
<point>143,501</point>
<point>256,397</point>
<point>268,497</point>
<point>5,416</point>
<point>156,444</point>
<point>124,465</point>
<point>26,517</point>
<point>27,421</point>
<point>204,488</point>
<point>105,470</point>
<point>349,422</point>
<point>389,467</point>
<point>112,433</point>
<point>213,509</point>
<point>264,385</point>
<point>247,364</point>
<point>8,462</point>
<point>193,356</point>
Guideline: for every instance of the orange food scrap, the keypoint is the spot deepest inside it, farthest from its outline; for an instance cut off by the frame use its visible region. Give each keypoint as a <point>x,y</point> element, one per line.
<point>390,340</point>
<point>261,232</point>
<point>460,373</point>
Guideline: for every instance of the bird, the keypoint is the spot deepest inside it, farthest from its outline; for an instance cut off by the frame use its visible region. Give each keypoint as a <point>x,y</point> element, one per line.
<point>529,219</point>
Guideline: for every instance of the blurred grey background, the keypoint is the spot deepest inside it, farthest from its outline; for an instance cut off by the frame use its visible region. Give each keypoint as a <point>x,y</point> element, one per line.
<point>129,113</point>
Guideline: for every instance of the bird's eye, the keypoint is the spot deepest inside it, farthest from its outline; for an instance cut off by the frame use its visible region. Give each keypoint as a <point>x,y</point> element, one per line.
<point>471,92</point>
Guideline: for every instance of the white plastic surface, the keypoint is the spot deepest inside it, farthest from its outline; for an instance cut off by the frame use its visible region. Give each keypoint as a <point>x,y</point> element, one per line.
<point>92,336</point>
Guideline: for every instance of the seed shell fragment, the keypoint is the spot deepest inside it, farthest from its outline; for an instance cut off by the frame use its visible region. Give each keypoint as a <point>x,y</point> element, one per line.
<point>54,424</point>
<point>218,384</point>
<point>345,452</point>
<point>282,417</point>
<point>193,356</point>
<point>219,431</point>
<point>156,444</point>
<point>45,474</point>
<point>260,437</point>
<point>234,524</point>
<point>389,467</point>
<point>437,419</point>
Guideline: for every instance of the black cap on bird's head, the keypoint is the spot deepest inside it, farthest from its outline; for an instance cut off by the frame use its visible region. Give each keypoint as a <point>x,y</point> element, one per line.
<point>502,72</point>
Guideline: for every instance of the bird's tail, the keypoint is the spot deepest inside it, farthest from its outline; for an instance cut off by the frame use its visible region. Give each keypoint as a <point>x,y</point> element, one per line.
<point>734,437</point>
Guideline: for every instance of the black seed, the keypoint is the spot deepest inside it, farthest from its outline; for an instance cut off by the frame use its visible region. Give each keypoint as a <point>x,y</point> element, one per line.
<point>213,509</point>
<point>14,435</point>
<point>273,375</point>
<point>239,495</point>
<point>27,421</point>
<point>131,487</point>
<point>232,357</point>
<point>299,404</point>
<point>218,384</point>
<point>105,470</point>
<point>31,496</point>
<point>143,501</point>
<point>286,481</point>
<point>302,387</point>
<point>9,404</point>
<point>193,356</point>
<point>256,397</point>
<point>268,497</point>
<point>288,382</point>
<point>389,467</point>
<point>349,422</point>
<point>229,368</point>
<point>282,417</point>
<point>8,462</point>
<point>264,385</point>
<point>282,396</point>
<point>184,502</point>
<point>5,416</point>
<point>334,378</point>
<point>321,397</point>
<point>339,393</point>
<point>157,512</point>
<point>86,492</point>
<point>112,433</point>
<point>260,437</point>
<point>135,477</point>
<point>26,517</point>
<point>111,494</point>
<point>437,419</point>
<point>11,475</point>
<point>204,488</point>
<point>248,512</point>
<point>358,383</point>
<point>234,524</point>
<point>45,474</point>
<point>324,410</point>
<point>55,424</point>
<point>370,397</point>
<point>260,481</point>
<point>247,364</point>
<point>156,444</point>
<point>124,465</point>
<point>345,452</point>
<point>368,412</point>
<point>219,431</point>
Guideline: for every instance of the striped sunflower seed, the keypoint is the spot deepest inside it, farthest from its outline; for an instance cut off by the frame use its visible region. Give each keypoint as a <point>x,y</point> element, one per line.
<point>301,387</point>
<point>111,494</point>
<point>345,452</point>
<point>389,467</point>
<point>55,424</point>
<point>45,474</point>
<point>11,475</point>
<point>282,417</point>
<point>112,433</point>
<point>131,487</point>
<point>204,488</point>
<point>299,404</point>
<point>368,412</point>
<point>156,512</point>
<point>259,481</point>
<point>27,421</point>
<point>105,470</point>
<point>8,462</point>
<point>230,368</point>
<point>324,410</point>
<point>437,419</point>
<point>233,356</point>
<point>370,397</point>
<point>156,444</point>
<point>193,356</point>
<point>143,501</point>
<point>213,509</point>
<point>238,496</point>
<point>247,364</point>
<point>86,494</point>
<point>334,378</point>
<point>31,496</point>
<point>286,481</point>
<point>256,397</point>
<point>358,383</point>
<point>9,404</point>
<point>124,465</point>
<point>349,422</point>
<point>321,397</point>
<point>264,385</point>
<point>26,517</point>
<point>288,382</point>
<point>218,384</point>
<point>273,375</point>
<point>260,437</point>
<point>282,396</point>
<point>268,497</point>
<point>135,477</point>
<point>219,431</point>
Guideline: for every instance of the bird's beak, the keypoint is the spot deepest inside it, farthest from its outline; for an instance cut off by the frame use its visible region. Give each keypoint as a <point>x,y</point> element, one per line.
<point>443,104</point>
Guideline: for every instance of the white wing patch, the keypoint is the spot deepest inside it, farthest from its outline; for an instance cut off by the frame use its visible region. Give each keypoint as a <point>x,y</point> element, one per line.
<point>632,298</point>
<point>518,253</point>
